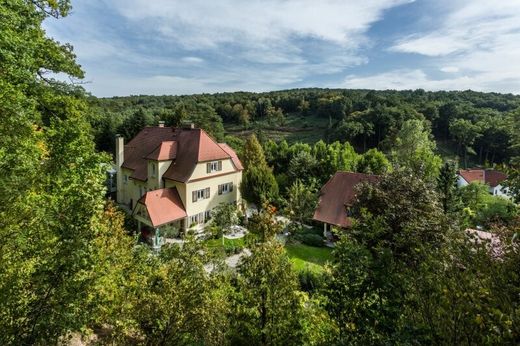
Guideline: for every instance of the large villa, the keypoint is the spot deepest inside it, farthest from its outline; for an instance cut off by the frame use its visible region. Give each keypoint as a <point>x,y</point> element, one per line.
<point>171,178</point>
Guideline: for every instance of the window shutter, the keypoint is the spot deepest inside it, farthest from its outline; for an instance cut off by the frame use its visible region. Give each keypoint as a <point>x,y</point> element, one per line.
<point>230,187</point>
<point>208,167</point>
<point>194,196</point>
<point>220,189</point>
<point>207,192</point>
<point>220,165</point>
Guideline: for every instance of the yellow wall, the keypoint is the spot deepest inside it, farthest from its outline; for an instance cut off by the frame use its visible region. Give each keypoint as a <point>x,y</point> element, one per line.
<point>200,170</point>
<point>211,180</point>
<point>215,199</point>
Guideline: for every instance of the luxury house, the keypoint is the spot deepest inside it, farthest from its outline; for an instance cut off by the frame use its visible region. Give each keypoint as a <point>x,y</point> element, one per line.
<point>171,178</point>
<point>335,198</point>
<point>490,177</point>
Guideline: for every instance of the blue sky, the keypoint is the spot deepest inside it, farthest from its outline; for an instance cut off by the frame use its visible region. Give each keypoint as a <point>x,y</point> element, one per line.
<point>163,47</point>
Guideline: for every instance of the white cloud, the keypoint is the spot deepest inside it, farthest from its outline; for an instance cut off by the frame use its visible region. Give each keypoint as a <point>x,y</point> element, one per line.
<point>449,69</point>
<point>402,79</point>
<point>475,40</point>
<point>202,23</point>
<point>192,60</point>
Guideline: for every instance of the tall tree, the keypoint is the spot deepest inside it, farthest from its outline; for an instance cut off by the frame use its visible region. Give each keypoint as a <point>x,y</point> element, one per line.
<point>253,154</point>
<point>267,305</point>
<point>447,188</point>
<point>414,148</point>
<point>51,182</point>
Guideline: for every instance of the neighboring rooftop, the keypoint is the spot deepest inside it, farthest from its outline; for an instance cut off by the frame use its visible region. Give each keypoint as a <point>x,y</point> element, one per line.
<point>336,195</point>
<point>185,147</point>
<point>491,177</point>
<point>163,206</point>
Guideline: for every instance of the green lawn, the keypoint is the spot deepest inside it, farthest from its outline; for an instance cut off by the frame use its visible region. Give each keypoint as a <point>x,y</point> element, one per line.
<point>303,256</point>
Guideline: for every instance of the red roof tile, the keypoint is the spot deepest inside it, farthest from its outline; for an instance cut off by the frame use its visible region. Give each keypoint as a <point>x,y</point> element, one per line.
<point>234,157</point>
<point>186,147</point>
<point>143,144</point>
<point>471,175</point>
<point>489,176</point>
<point>494,177</point>
<point>167,150</point>
<point>338,193</point>
<point>163,206</point>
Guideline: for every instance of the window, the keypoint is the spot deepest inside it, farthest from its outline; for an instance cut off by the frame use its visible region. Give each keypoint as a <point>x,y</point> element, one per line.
<point>214,166</point>
<point>200,194</point>
<point>200,218</point>
<point>225,188</point>
<point>125,178</point>
<point>153,169</point>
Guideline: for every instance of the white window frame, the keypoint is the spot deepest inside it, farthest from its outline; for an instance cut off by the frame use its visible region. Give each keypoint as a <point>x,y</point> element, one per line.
<point>213,166</point>
<point>201,194</point>
<point>225,188</point>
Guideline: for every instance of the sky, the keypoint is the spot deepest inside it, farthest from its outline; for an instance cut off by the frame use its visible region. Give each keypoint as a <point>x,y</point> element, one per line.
<point>170,47</point>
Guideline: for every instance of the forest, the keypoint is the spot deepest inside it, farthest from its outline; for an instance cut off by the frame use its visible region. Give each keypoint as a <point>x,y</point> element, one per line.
<point>405,273</point>
<point>478,128</point>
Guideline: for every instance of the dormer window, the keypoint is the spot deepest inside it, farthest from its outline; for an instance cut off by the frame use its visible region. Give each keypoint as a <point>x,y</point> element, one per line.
<point>214,166</point>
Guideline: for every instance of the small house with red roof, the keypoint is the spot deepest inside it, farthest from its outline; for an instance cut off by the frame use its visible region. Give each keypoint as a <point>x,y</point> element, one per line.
<point>491,177</point>
<point>172,178</point>
<point>337,196</point>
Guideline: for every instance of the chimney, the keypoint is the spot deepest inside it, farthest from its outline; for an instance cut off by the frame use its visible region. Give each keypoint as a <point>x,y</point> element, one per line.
<point>120,157</point>
<point>120,150</point>
<point>161,123</point>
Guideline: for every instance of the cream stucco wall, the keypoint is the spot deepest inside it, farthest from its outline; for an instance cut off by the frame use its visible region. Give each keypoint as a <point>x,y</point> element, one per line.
<point>200,170</point>
<point>214,199</point>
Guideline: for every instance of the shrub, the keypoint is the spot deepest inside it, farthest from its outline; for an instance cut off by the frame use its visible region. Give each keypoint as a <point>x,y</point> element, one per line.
<point>311,239</point>
<point>310,280</point>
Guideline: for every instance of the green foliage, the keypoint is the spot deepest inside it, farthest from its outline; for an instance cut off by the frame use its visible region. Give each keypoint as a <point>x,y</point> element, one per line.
<point>259,185</point>
<point>253,154</point>
<point>180,302</point>
<point>263,224</point>
<point>448,189</point>
<point>483,209</point>
<point>301,201</point>
<point>374,162</point>
<point>224,216</point>
<point>413,148</point>
<point>267,306</point>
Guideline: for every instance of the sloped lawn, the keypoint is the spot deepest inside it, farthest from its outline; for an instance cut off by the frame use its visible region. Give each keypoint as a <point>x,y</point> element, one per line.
<point>308,257</point>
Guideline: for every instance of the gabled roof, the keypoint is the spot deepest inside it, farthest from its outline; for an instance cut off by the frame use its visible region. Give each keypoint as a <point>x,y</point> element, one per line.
<point>163,206</point>
<point>491,177</point>
<point>167,150</point>
<point>185,147</point>
<point>338,193</point>
<point>234,157</point>
<point>142,145</point>
<point>194,146</point>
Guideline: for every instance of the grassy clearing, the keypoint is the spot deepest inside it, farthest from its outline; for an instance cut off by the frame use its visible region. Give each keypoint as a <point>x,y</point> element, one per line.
<point>308,129</point>
<point>308,257</point>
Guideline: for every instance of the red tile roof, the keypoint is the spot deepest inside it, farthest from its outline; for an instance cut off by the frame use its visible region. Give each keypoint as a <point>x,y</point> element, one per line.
<point>494,177</point>
<point>163,206</point>
<point>186,147</point>
<point>234,157</point>
<point>167,150</point>
<point>488,176</point>
<point>142,145</point>
<point>338,193</point>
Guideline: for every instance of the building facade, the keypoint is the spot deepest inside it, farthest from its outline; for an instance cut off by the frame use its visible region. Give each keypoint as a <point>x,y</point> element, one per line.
<point>172,178</point>
<point>492,178</point>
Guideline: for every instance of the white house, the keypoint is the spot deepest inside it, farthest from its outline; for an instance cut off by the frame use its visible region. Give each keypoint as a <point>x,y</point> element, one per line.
<point>490,177</point>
